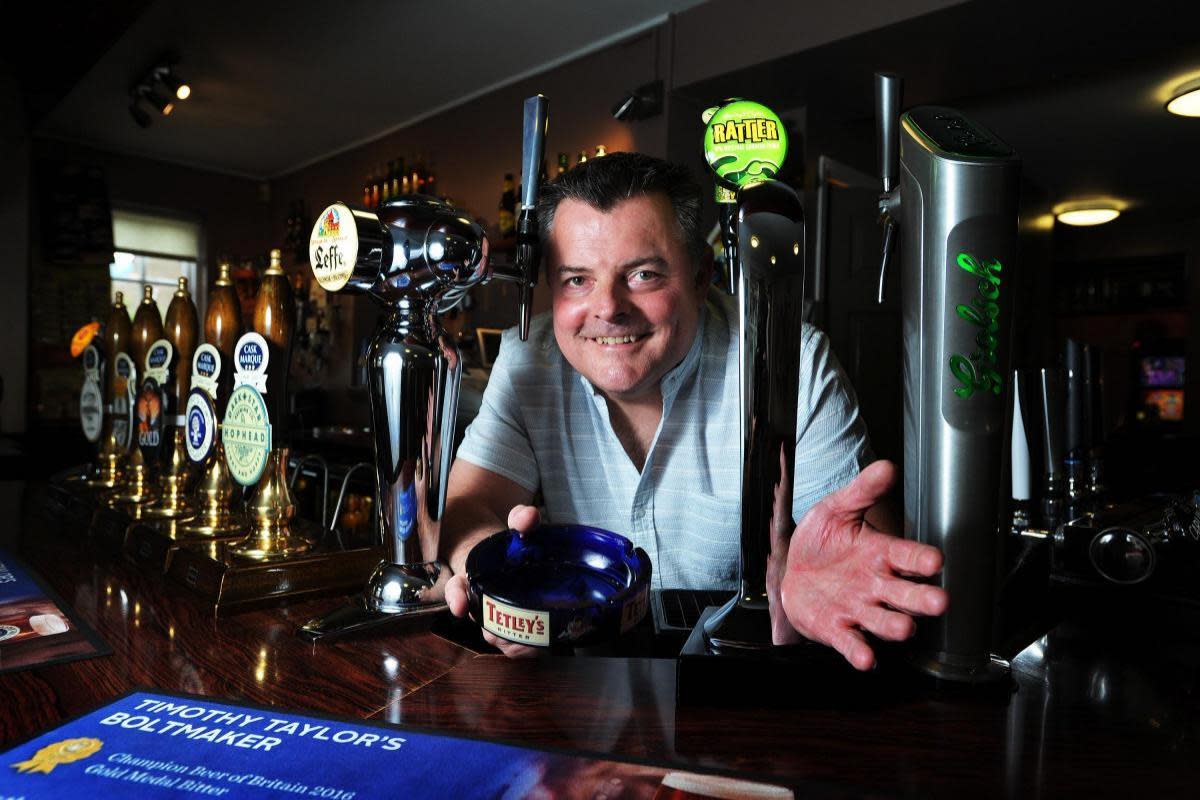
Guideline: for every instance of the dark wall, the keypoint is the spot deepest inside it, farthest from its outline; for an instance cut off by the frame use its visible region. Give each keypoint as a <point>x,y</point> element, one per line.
<point>470,148</point>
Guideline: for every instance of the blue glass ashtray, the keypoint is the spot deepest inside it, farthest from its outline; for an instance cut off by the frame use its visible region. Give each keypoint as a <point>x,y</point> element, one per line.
<point>558,585</point>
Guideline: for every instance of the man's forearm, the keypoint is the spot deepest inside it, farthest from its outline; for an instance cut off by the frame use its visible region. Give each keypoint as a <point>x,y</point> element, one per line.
<point>478,502</point>
<point>464,525</point>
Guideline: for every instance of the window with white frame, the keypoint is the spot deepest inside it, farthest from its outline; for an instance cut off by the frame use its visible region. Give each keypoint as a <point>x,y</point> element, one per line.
<point>155,250</point>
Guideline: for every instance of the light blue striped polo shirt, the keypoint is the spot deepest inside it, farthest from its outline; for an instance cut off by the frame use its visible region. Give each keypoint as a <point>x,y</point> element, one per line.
<point>543,425</point>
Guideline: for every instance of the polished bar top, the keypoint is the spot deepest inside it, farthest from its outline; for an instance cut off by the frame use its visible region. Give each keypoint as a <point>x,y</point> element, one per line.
<point>1107,703</point>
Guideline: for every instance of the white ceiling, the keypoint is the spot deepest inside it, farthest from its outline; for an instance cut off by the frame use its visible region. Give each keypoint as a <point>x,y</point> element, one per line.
<point>277,86</point>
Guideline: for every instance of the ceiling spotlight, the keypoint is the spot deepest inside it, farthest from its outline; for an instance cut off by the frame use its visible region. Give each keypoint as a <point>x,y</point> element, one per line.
<point>173,82</point>
<point>1081,216</point>
<point>1185,101</point>
<point>157,100</point>
<point>139,114</point>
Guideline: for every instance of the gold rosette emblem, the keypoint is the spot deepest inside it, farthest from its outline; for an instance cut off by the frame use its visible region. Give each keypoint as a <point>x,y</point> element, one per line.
<point>63,752</point>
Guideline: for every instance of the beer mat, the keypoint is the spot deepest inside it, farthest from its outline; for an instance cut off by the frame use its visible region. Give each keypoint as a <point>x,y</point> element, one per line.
<point>36,627</point>
<point>150,744</point>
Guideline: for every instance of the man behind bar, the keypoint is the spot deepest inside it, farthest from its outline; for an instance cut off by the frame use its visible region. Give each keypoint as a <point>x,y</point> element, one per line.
<point>622,409</point>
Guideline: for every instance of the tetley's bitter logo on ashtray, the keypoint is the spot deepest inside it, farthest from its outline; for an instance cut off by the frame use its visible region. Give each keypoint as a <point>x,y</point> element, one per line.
<point>206,368</point>
<point>246,433</point>
<point>744,142</point>
<point>979,371</point>
<point>333,247</point>
<point>516,624</point>
<point>250,359</point>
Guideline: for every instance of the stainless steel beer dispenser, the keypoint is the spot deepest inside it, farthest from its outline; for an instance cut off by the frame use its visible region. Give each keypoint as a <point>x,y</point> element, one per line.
<point>418,256</point>
<point>950,197</point>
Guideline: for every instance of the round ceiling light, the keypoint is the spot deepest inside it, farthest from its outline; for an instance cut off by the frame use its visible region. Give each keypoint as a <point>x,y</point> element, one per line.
<point>1089,215</point>
<point>1186,103</point>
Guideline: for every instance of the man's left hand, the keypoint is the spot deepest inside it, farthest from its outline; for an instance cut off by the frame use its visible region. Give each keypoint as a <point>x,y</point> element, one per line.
<point>842,576</point>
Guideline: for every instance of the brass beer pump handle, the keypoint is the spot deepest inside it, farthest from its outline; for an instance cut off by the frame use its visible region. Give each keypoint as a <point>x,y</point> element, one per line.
<point>147,326</point>
<point>182,329</point>
<point>271,508</point>
<point>222,329</point>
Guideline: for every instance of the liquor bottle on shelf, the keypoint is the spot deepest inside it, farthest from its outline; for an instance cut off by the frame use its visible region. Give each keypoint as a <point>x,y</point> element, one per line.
<point>431,187</point>
<point>582,157</point>
<point>398,177</point>
<point>376,188</point>
<point>563,166</point>
<point>416,181</point>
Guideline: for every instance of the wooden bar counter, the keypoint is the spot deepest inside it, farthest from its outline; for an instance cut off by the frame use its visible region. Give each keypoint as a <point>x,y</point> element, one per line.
<point>1105,704</point>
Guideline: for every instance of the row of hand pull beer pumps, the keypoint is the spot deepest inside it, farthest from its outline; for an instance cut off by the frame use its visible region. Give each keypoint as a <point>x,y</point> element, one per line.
<point>152,397</point>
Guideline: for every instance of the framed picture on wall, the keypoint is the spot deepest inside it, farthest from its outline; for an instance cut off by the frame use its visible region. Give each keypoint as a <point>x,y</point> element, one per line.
<point>489,345</point>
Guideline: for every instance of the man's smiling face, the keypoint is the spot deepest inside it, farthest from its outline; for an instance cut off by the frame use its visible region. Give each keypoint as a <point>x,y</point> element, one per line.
<point>626,295</point>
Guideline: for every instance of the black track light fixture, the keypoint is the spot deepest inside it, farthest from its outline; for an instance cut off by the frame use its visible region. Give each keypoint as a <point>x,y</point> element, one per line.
<point>161,75</point>
<point>139,114</point>
<point>155,99</point>
<point>178,87</point>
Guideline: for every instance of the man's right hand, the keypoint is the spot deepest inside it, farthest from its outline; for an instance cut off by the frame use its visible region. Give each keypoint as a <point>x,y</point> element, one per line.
<point>522,519</point>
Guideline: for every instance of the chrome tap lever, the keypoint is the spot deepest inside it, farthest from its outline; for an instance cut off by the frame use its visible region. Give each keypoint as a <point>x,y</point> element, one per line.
<point>529,245</point>
<point>888,91</point>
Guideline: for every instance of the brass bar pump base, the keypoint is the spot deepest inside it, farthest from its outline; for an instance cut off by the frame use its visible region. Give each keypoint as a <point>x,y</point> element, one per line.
<point>109,526</point>
<point>232,583</point>
<point>69,506</point>
<point>212,503</point>
<point>173,502</point>
<point>151,544</point>
<point>111,470</point>
<point>271,511</point>
<point>139,487</point>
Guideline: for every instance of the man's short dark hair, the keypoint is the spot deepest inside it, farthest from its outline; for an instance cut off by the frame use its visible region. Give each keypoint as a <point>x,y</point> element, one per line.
<point>604,182</point>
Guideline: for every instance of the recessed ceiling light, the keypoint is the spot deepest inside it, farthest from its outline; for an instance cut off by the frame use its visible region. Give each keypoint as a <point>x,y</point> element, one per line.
<point>1093,215</point>
<point>1186,103</point>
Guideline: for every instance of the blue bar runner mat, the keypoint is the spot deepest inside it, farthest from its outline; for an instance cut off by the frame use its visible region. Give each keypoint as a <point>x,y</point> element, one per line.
<point>36,627</point>
<point>154,745</point>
